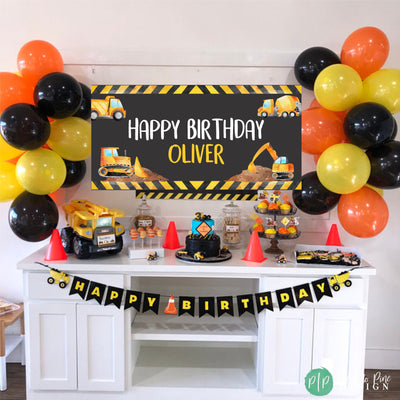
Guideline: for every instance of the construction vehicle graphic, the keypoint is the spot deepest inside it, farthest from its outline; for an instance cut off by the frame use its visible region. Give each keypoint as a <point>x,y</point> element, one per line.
<point>281,168</point>
<point>91,229</point>
<point>285,106</point>
<point>112,164</point>
<point>59,277</point>
<point>110,107</point>
<point>342,279</point>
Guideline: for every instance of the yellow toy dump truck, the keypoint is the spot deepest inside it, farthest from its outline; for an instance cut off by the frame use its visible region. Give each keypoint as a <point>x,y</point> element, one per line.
<point>110,107</point>
<point>91,229</point>
<point>59,277</point>
<point>285,106</point>
<point>112,164</point>
<point>342,279</point>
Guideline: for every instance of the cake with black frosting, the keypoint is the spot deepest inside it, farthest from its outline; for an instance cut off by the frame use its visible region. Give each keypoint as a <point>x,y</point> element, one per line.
<point>202,243</point>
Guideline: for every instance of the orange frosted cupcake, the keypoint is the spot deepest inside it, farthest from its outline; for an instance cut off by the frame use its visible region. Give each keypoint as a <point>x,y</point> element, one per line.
<point>273,207</point>
<point>283,232</point>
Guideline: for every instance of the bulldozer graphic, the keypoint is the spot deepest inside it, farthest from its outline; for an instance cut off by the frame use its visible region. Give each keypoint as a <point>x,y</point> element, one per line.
<point>281,168</point>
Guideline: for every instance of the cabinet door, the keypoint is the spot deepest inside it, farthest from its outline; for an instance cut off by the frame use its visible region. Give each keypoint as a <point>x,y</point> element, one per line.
<point>51,346</point>
<point>287,351</point>
<point>339,346</point>
<point>101,361</point>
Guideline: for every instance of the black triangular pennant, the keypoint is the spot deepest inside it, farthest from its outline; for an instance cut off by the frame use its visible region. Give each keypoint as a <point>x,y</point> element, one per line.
<point>303,293</point>
<point>133,299</point>
<point>206,306</point>
<point>225,305</point>
<point>80,286</point>
<point>285,298</point>
<point>96,291</point>
<point>114,296</point>
<point>186,305</point>
<point>264,301</point>
<point>151,302</point>
<point>321,288</point>
<point>245,303</point>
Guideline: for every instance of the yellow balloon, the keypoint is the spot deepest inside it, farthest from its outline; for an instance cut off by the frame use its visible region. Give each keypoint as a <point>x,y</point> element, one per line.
<point>377,190</point>
<point>71,138</point>
<point>338,87</point>
<point>8,152</point>
<point>383,87</point>
<point>343,168</point>
<point>10,188</point>
<point>41,171</point>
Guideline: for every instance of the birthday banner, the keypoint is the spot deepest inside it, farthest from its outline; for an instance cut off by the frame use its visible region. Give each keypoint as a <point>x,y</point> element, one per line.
<point>196,141</point>
<point>214,306</point>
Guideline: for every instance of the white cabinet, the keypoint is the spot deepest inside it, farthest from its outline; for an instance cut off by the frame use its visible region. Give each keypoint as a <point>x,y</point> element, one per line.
<point>75,346</point>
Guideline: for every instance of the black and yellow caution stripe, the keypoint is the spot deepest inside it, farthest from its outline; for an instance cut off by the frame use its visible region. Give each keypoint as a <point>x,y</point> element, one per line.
<point>294,90</point>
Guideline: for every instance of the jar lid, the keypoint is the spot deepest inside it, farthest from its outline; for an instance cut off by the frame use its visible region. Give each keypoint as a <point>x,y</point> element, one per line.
<point>143,206</point>
<point>231,207</point>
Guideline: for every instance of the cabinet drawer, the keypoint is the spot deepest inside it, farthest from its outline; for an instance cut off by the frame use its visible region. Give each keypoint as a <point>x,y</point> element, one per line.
<point>37,288</point>
<point>353,296</point>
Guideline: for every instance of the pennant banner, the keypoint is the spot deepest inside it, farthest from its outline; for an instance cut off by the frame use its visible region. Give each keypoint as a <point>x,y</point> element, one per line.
<point>79,286</point>
<point>151,301</point>
<point>321,288</point>
<point>133,299</point>
<point>96,291</point>
<point>303,293</point>
<point>245,303</point>
<point>285,298</point>
<point>225,305</point>
<point>186,305</point>
<point>114,296</point>
<point>206,306</point>
<point>264,301</point>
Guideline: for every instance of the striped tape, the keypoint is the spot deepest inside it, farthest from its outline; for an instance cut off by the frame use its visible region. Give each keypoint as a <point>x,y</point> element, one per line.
<point>294,90</point>
<point>197,196</point>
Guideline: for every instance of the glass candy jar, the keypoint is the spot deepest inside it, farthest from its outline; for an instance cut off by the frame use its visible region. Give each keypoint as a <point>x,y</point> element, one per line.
<point>231,225</point>
<point>144,218</point>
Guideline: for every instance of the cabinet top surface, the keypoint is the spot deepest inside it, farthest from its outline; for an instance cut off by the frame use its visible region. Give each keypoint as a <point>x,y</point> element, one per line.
<point>170,266</point>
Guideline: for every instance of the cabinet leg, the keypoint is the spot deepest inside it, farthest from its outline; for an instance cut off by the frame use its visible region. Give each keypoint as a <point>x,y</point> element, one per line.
<point>23,350</point>
<point>3,374</point>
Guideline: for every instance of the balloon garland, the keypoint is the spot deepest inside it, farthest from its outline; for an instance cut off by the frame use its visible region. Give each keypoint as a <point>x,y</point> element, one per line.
<point>350,130</point>
<point>45,137</point>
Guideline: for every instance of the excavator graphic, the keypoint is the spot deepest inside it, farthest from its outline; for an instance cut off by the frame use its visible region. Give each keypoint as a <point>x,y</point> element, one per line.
<point>281,168</point>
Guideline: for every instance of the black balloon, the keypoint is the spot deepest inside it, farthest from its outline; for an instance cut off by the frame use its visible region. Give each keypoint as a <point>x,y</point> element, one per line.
<point>394,133</point>
<point>311,62</point>
<point>24,126</point>
<point>32,217</point>
<point>85,107</point>
<point>75,172</point>
<point>313,198</point>
<point>368,124</point>
<point>385,165</point>
<point>58,95</point>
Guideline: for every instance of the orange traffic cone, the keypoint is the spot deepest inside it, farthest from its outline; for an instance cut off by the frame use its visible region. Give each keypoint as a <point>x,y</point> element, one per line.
<point>254,251</point>
<point>55,251</point>
<point>171,238</point>
<point>171,309</point>
<point>333,237</point>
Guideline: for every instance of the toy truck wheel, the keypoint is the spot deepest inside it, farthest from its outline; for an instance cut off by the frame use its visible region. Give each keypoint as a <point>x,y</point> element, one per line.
<point>81,248</point>
<point>94,114</point>
<point>67,237</point>
<point>336,287</point>
<point>285,114</point>
<point>118,115</point>
<point>62,284</point>
<point>290,175</point>
<point>264,114</point>
<point>292,114</point>
<point>50,280</point>
<point>347,283</point>
<point>103,171</point>
<point>119,243</point>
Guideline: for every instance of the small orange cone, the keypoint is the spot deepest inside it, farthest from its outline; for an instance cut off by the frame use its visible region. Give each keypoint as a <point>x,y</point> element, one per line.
<point>333,237</point>
<point>171,241</point>
<point>171,309</point>
<point>55,251</point>
<point>254,251</point>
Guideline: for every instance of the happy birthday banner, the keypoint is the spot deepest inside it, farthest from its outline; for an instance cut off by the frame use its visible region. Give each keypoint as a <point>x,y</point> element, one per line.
<point>144,301</point>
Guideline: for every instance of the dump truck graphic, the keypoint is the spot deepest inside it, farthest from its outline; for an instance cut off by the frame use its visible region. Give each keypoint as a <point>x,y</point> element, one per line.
<point>91,229</point>
<point>342,279</point>
<point>110,107</point>
<point>281,168</point>
<point>285,106</point>
<point>112,164</point>
<point>58,277</point>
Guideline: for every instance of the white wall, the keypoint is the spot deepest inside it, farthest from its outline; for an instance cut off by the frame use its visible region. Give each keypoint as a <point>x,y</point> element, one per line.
<point>203,41</point>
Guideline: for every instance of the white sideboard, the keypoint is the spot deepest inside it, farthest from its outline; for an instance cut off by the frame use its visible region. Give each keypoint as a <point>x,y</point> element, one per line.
<point>78,349</point>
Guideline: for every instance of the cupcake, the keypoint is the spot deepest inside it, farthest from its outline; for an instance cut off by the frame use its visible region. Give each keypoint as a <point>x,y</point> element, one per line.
<point>270,233</point>
<point>292,232</point>
<point>273,207</point>
<point>283,232</point>
<point>285,208</point>
<point>258,227</point>
<point>262,208</point>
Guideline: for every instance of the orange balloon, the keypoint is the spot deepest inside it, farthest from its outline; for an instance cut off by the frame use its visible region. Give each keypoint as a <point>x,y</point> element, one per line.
<point>14,89</point>
<point>38,58</point>
<point>320,129</point>
<point>363,213</point>
<point>340,114</point>
<point>365,50</point>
